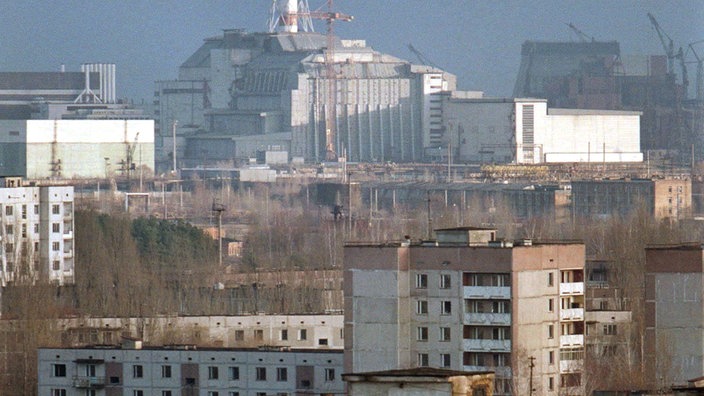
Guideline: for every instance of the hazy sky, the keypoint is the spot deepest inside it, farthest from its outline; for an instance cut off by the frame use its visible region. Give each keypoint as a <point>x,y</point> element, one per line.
<point>479,41</point>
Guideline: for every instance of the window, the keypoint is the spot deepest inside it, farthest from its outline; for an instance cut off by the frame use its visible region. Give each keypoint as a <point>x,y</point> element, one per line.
<point>166,393</point>
<point>56,265</point>
<point>55,228</point>
<point>445,307</point>
<point>55,209</point>
<point>422,360</point>
<point>259,334</point>
<point>261,373</point>
<point>421,281</point>
<point>501,359</point>
<point>551,357</point>
<point>138,392</point>
<point>165,371</point>
<point>551,305</point>
<point>36,228</point>
<point>239,335</point>
<point>422,307</point>
<point>137,371</point>
<point>501,333</point>
<point>422,334</point>
<point>55,246</point>
<point>550,279</point>
<point>8,212</point>
<point>234,373</point>
<point>445,281</point>
<point>284,335</point>
<point>445,360</point>
<point>58,392</point>
<point>302,334</point>
<point>551,331</point>
<point>114,380</point>
<point>59,370</point>
<point>444,334</point>
<point>9,229</point>
<point>281,374</point>
<point>36,209</point>
<point>24,211</point>
<point>213,372</point>
<point>213,393</point>
<point>610,329</point>
<point>551,383</point>
<point>329,374</point>
<point>322,341</point>
<point>233,394</point>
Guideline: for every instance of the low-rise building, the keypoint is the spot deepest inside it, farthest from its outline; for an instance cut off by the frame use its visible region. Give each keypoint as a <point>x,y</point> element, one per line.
<point>422,380</point>
<point>186,370</point>
<point>662,198</point>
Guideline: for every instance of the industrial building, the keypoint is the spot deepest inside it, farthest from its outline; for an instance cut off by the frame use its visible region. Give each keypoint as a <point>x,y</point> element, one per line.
<point>666,198</point>
<point>37,236</point>
<point>285,88</point>
<point>66,125</point>
<point>591,74</point>
<point>526,131</point>
<point>185,370</point>
<point>69,149</point>
<point>468,301</point>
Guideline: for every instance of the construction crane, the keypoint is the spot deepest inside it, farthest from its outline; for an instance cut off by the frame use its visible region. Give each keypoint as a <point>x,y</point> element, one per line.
<point>667,45</point>
<point>700,70</point>
<point>424,59</point>
<point>583,37</point>
<point>290,15</point>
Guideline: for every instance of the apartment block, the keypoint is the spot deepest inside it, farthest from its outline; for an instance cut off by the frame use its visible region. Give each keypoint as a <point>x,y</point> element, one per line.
<point>467,301</point>
<point>37,233</point>
<point>183,370</point>
<point>674,313</point>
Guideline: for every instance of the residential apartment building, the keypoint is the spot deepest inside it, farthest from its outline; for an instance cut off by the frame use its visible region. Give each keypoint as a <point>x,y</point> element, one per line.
<point>37,233</point>
<point>674,317</point>
<point>183,370</point>
<point>661,198</point>
<point>469,302</point>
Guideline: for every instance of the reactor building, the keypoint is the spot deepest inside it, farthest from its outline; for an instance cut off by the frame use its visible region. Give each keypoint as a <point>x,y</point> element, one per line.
<point>299,91</point>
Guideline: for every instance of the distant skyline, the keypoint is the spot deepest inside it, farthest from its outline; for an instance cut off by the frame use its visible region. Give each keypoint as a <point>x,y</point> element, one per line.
<point>479,41</point>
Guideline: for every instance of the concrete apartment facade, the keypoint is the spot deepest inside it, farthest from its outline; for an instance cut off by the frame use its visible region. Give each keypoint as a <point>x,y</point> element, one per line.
<point>662,198</point>
<point>37,233</point>
<point>674,310</point>
<point>188,371</point>
<point>469,302</point>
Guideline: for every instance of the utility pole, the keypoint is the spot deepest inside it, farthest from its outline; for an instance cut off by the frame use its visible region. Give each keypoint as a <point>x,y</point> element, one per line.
<point>430,219</point>
<point>530,380</point>
<point>219,208</point>
<point>173,136</point>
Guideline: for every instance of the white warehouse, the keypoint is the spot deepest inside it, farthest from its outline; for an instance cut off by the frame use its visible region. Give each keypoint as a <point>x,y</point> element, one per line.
<point>525,131</point>
<point>85,148</point>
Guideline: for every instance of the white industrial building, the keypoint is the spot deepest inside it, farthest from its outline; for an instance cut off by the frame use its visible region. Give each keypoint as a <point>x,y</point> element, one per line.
<point>36,235</point>
<point>525,131</point>
<point>86,148</point>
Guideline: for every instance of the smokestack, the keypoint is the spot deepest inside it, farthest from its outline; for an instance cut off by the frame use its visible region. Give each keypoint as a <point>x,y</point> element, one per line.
<point>289,16</point>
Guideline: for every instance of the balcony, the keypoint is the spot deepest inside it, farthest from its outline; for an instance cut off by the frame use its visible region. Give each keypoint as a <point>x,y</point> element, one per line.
<point>571,366</point>
<point>572,314</point>
<point>68,253</point>
<point>487,345</point>
<point>88,382</point>
<point>68,234</point>
<point>486,318</point>
<point>571,288</point>
<point>487,292</point>
<point>572,340</point>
